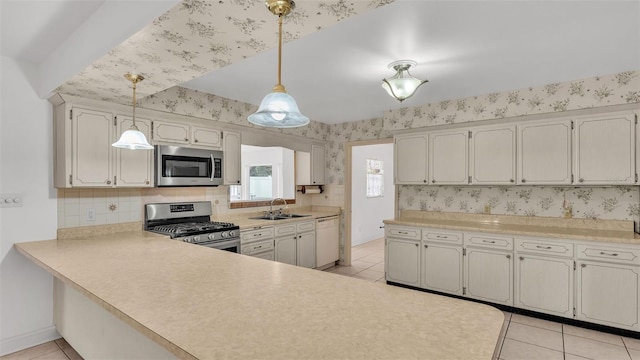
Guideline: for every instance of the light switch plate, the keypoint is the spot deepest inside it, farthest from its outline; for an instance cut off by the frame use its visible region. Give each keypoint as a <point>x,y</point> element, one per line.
<point>10,200</point>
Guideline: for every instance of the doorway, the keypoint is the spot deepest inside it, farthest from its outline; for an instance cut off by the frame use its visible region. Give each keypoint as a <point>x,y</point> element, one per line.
<point>370,195</point>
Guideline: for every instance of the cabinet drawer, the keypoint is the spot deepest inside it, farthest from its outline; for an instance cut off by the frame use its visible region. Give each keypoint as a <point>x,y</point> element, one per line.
<point>488,241</point>
<point>268,255</point>
<point>402,232</point>
<point>609,254</point>
<point>258,234</point>
<point>255,247</point>
<point>537,246</point>
<point>305,226</point>
<point>442,236</point>
<point>284,230</point>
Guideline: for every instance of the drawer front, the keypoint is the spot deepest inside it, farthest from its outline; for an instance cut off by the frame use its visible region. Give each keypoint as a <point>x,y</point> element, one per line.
<point>256,235</point>
<point>450,237</point>
<point>488,241</point>
<point>306,226</point>
<point>285,230</point>
<point>268,255</point>
<point>536,246</point>
<point>403,233</point>
<point>256,247</point>
<point>608,253</point>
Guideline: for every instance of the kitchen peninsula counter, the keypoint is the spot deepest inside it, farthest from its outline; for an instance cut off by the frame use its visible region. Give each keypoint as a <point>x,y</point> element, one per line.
<point>615,231</point>
<point>202,303</point>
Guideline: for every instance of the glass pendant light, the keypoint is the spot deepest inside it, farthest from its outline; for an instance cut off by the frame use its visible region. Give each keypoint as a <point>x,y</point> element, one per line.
<point>133,138</point>
<point>278,109</point>
<point>402,85</point>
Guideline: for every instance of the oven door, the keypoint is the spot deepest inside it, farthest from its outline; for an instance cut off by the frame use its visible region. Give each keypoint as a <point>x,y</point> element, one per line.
<point>179,166</point>
<point>231,245</point>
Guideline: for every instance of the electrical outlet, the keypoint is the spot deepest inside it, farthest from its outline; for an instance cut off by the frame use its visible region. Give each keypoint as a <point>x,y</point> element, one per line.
<point>91,214</point>
<point>10,200</point>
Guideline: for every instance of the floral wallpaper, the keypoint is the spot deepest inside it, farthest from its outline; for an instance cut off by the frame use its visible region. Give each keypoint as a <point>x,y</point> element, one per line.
<point>198,36</point>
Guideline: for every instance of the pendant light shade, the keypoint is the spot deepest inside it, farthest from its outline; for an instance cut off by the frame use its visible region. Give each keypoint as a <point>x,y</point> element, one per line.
<point>278,109</point>
<point>402,85</point>
<point>133,138</point>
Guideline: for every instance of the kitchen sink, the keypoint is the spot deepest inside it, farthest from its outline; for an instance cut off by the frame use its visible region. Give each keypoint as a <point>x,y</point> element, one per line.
<point>278,217</point>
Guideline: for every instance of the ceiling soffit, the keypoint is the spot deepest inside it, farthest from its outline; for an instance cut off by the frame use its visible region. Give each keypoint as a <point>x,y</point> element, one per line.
<point>199,36</point>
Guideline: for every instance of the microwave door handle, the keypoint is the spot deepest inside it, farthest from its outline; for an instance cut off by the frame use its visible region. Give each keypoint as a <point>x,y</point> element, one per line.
<point>213,168</point>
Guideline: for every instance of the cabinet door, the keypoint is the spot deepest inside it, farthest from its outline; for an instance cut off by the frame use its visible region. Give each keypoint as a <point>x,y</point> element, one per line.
<point>442,268</point>
<point>317,165</point>
<point>402,261</point>
<point>203,137</point>
<point>410,159</point>
<point>544,153</point>
<point>489,276</point>
<point>285,251</point>
<point>306,250</point>
<point>608,294</point>
<point>493,155</point>
<point>231,163</point>
<point>605,150</point>
<point>92,153</point>
<point>169,132</point>
<point>544,284</point>
<point>449,157</point>
<point>133,167</point>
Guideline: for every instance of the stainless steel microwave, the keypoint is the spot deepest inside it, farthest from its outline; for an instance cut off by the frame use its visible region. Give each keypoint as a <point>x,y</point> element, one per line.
<point>182,166</point>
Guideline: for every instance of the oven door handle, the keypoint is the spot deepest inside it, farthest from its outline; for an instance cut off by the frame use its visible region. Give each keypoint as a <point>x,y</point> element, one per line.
<point>213,168</point>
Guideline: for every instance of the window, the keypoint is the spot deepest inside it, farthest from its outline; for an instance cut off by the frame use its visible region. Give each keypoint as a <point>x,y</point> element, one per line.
<point>260,183</point>
<point>375,178</point>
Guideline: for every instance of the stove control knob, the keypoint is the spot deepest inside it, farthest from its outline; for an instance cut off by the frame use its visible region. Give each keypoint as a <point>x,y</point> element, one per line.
<point>212,236</point>
<point>196,239</point>
<point>232,233</point>
<point>224,234</point>
<point>187,239</point>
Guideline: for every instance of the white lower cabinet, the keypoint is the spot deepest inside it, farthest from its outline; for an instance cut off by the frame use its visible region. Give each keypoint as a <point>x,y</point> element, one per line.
<point>402,264</point>
<point>258,242</point>
<point>295,243</point>
<point>442,267</point>
<point>489,275</point>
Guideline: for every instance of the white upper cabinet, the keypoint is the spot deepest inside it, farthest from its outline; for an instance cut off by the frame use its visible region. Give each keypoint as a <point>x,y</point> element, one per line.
<point>493,155</point>
<point>203,137</point>
<point>449,157</point>
<point>310,166</point>
<point>92,154</point>
<point>410,159</point>
<point>133,167</point>
<point>231,163</point>
<point>170,132</point>
<point>544,153</point>
<point>605,149</point>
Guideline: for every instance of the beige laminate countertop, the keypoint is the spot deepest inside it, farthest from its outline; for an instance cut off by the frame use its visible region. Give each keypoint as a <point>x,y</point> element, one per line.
<point>577,229</point>
<point>245,221</point>
<point>202,303</point>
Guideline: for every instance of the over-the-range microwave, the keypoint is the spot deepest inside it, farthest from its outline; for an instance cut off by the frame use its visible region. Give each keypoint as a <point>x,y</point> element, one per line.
<point>183,166</point>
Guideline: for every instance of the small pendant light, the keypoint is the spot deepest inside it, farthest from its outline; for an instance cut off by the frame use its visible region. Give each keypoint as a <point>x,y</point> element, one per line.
<point>402,85</point>
<point>133,138</point>
<point>278,109</point>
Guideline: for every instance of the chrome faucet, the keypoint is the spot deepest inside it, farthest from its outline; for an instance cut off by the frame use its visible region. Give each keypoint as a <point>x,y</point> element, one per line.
<point>271,205</point>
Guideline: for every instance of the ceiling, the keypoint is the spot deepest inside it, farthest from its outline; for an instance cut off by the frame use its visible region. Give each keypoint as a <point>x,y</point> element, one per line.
<point>336,53</point>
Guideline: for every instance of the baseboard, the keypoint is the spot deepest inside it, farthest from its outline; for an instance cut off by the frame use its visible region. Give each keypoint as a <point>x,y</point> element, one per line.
<point>24,341</point>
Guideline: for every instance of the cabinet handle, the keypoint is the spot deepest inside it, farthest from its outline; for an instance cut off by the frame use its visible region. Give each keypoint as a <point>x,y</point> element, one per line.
<point>608,254</point>
<point>403,232</point>
<point>433,181</point>
<point>441,237</point>
<point>583,265</point>
<point>521,258</point>
<point>147,182</point>
<point>417,245</point>
<point>238,181</point>
<point>195,141</point>
<point>257,234</point>
<point>257,247</point>
<point>543,247</point>
<point>424,181</point>
<point>108,182</point>
<point>508,256</point>
<point>511,181</point>
<point>426,246</point>
<point>581,180</point>
<point>488,241</point>
<point>186,139</point>
<point>523,181</point>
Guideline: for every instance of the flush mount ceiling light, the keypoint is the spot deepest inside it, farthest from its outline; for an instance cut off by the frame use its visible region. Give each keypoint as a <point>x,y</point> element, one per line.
<point>278,109</point>
<point>402,85</point>
<point>133,138</point>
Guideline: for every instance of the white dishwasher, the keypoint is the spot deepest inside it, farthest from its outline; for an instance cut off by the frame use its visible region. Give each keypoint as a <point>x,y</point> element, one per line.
<point>327,242</point>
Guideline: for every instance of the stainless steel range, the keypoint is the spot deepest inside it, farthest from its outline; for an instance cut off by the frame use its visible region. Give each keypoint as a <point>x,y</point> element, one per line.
<point>191,222</point>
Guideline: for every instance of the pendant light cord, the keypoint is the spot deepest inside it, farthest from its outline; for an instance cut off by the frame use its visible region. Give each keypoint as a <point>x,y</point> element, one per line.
<point>280,50</point>
<point>134,103</point>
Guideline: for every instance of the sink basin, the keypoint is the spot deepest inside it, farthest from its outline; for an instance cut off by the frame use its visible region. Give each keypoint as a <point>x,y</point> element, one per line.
<point>278,217</point>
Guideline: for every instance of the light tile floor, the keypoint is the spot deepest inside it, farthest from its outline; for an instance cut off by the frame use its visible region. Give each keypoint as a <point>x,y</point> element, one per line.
<point>522,337</point>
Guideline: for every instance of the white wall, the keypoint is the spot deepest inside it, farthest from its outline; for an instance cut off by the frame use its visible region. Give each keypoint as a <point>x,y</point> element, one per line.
<point>367,213</point>
<point>26,143</point>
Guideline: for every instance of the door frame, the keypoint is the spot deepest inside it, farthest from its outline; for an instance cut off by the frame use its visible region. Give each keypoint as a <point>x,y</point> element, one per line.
<point>348,146</point>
